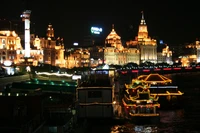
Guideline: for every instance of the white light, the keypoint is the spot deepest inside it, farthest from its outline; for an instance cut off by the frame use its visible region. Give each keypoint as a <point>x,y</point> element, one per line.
<point>56,74</point>
<point>105,67</point>
<point>76,77</point>
<point>149,101</point>
<point>75,44</point>
<point>7,63</point>
<point>28,68</point>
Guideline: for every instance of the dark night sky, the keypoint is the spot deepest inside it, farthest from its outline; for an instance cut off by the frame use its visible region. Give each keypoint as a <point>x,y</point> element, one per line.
<point>173,22</point>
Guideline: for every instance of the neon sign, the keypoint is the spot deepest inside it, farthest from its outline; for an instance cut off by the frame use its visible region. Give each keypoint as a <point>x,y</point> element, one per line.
<point>96,30</point>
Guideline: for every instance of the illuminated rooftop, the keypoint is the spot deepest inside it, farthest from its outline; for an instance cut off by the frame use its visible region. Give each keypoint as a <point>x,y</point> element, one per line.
<point>155,78</point>
<point>113,34</point>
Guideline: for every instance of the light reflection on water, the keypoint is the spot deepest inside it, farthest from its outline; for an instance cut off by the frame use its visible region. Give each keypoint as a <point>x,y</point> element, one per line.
<point>170,122</point>
<point>184,120</point>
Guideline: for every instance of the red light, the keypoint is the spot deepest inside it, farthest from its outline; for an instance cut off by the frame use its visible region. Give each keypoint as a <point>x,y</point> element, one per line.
<point>166,68</point>
<point>146,70</point>
<point>188,68</point>
<point>157,69</point>
<point>134,71</point>
<point>177,68</point>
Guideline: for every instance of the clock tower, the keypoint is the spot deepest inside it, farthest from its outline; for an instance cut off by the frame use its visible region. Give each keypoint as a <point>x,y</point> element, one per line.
<point>142,32</point>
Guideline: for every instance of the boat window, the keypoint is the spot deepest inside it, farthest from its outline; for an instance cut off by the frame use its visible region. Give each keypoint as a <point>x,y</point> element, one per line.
<point>94,94</point>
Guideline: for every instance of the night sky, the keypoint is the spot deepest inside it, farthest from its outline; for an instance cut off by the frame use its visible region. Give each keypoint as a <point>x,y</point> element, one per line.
<point>172,22</point>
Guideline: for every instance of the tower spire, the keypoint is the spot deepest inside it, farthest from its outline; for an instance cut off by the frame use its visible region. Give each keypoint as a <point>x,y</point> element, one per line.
<point>113,27</point>
<point>142,20</point>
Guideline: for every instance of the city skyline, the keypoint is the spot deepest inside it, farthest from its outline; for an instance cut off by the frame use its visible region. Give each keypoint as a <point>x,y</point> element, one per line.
<point>171,22</point>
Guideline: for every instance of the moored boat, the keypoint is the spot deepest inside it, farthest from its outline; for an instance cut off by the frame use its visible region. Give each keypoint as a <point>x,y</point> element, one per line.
<point>138,104</point>
<point>163,87</point>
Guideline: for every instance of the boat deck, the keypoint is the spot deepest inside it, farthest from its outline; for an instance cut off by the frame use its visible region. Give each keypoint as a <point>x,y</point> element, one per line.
<point>145,115</point>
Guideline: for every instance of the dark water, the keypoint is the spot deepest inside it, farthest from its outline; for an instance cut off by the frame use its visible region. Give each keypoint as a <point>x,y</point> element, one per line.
<point>183,120</point>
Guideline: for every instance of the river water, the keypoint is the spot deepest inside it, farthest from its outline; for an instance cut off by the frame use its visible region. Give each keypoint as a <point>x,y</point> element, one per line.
<point>183,120</point>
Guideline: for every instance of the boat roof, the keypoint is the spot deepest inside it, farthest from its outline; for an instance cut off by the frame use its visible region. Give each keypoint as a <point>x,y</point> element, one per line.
<point>96,83</point>
<point>155,77</point>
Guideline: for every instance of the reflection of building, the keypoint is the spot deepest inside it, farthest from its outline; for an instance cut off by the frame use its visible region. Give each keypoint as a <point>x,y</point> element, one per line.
<point>146,45</point>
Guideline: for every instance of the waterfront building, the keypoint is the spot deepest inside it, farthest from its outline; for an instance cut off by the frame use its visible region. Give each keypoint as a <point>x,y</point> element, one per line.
<point>77,57</point>
<point>190,54</point>
<point>42,50</point>
<point>10,42</point>
<point>165,56</point>
<point>146,45</point>
<point>115,53</point>
<point>198,51</point>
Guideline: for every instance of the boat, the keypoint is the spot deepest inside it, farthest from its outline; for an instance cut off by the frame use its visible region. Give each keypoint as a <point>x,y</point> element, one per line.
<point>138,104</point>
<point>95,96</point>
<point>163,87</point>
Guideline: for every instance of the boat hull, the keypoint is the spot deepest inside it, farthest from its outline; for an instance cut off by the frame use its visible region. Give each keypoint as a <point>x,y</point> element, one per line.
<point>171,102</point>
<point>148,119</point>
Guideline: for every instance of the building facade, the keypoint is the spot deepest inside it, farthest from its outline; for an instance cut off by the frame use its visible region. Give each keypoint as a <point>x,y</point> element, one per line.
<point>10,42</point>
<point>146,45</point>
<point>78,57</point>
<point>42,50</point>
<point>115,53</point>
<point>165,56</point>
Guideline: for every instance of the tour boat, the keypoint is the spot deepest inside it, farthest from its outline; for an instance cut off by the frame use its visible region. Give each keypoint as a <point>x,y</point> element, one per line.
<point>138,104</point>
<point>163,87</point>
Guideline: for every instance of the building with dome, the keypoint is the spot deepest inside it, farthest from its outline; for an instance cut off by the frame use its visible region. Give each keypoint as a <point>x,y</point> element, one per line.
<point>116,53</point>
<point>146,45</point>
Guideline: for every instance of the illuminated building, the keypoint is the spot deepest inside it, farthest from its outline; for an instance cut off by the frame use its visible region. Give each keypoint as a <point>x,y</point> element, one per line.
<point>198,51</point>
<point>53,48</point>
<point>190,54</point>
<point>146,45</point>
<point>96,56</point>
<point>115,53</point>
<point>42,50</point>
<point>165,56</point>
<point>10,42</point>
<point>77,58</point>
<point>26,18</point>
